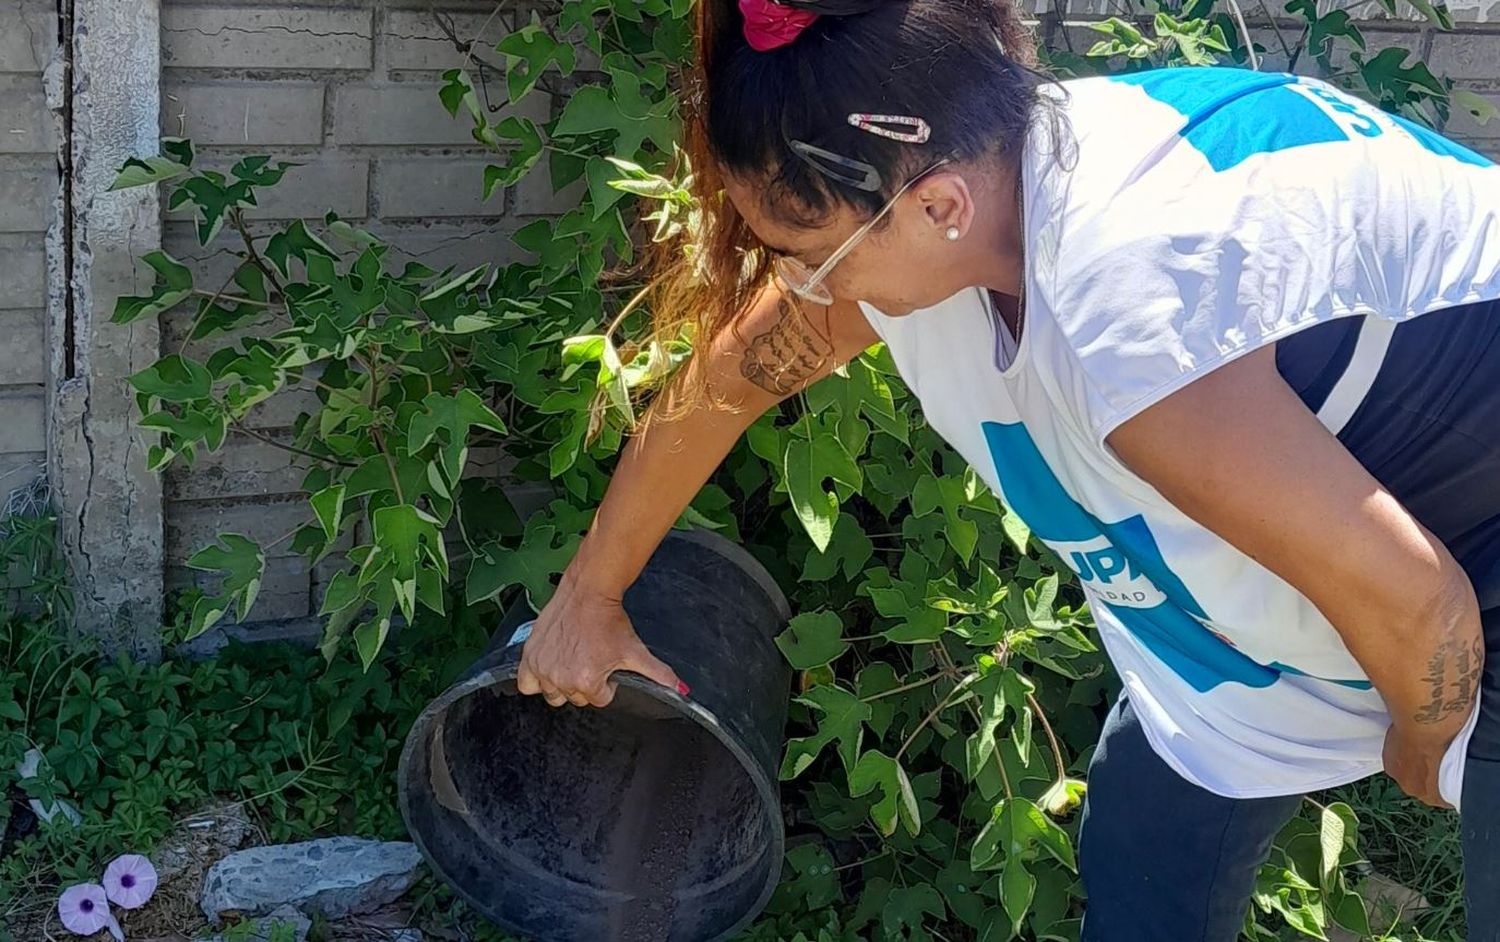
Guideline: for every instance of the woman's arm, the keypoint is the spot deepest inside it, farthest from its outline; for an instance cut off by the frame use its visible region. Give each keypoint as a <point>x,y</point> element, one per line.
<point>582,635</point>
<point>1239,452</point>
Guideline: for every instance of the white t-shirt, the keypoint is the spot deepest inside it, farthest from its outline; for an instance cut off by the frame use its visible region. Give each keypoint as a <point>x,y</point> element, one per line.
<point>1184,218</point>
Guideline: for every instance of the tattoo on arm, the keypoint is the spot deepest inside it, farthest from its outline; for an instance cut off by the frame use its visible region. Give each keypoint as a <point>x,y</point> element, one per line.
<point>786,356</point>
<point>1452,680</point>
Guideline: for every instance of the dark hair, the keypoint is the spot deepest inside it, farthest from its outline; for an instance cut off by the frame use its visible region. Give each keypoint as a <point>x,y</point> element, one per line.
<point>966,67</point>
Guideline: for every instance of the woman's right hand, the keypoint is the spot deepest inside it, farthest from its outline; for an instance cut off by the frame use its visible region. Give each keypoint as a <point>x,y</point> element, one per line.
<point>579,639</point>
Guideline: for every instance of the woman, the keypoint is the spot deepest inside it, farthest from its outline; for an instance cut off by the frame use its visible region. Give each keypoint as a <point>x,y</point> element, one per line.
<point>1227,342</point>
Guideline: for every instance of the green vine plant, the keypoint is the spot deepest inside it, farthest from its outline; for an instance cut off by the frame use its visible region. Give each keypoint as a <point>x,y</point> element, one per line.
<point>949,688</point>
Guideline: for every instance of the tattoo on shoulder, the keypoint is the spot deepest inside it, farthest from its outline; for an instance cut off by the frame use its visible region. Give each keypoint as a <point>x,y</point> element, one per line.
<point>786,356</point>
<point>1452,679</point>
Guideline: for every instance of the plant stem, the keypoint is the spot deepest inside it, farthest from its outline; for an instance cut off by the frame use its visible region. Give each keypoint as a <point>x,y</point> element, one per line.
<point>216,296</point>
<point>237,220</point>
<point>261,436</point>
<point>902,689</point>
<point>1057,756</point>
<point>860,863</point>
<point>932,714</point>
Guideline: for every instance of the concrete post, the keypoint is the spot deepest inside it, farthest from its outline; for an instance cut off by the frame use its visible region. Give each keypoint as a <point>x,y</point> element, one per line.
<point>111,506</point>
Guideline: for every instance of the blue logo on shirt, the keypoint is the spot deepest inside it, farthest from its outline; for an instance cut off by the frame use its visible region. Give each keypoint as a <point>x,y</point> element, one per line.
<point>1123,566</point>
<point>1234,114</point>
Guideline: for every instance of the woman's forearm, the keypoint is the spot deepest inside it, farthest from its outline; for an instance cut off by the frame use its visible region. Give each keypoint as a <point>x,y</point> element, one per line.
<point>775,352</point>
<point>1428,667</point>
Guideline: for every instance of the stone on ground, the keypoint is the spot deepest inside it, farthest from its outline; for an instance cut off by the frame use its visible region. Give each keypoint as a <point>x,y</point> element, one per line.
<point>334,876</point>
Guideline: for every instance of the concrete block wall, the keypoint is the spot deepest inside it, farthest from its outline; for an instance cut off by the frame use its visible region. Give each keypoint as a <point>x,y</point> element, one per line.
<point>29,194</point>
<point>349,88</point>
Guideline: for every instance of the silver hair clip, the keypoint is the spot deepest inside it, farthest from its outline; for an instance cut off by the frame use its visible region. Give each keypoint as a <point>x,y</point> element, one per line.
<point>919,133</point>
<point>846,170</point>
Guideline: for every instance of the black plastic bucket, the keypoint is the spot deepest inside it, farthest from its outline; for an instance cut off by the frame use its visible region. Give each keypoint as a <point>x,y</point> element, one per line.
<point>656,819</point>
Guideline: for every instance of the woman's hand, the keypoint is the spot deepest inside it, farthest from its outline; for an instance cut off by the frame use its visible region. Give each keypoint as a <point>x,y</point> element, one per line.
<point>1413,757</point>
<point>578,640</point>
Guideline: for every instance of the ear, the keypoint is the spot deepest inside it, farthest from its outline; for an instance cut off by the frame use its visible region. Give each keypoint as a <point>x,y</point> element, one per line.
<point>946,201</point>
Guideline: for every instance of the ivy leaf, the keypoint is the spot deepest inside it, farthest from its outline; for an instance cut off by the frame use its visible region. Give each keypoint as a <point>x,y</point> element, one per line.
<point>841,720</point>
<point>1017,886</point>
<point>407,535</point>
<point>531,565</point>
<point>812,639</point>
<point>370,637</point>
<point>455,415</point>
<point>528,51</point>
<point>1016,530</point>
<point>176,161</point>
<point>848,551</point>
<point>810,882</point>
<point>1040,599</point>
<point>816,508</point>
<point>1016,827</point>
<point>242,563</point>
<point>905,907</point>
<point>876,770</point>
<point>173,285</point>
<point>1482,110</point>
<point>328,504</point>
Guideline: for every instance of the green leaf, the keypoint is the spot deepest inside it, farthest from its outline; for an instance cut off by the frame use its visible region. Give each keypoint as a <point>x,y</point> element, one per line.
<point>848,551</point>
<point>1017,886</point>
<point>370,637</point>
<point>1016,827</point>
<point>541,555</point>
<point>328,504</point>
<point>408,536</point>
<point>876,770</point>
<point>242,563</point>
<point>528,51</point>
<point>455,416</point>
<point>905,909</point>
<point>812,639</point>
<point>816,508</point>
<point>842,720</point>
<point>1016,530</point>
<point>173,285</point>
<point>1481,109</point>
<point>146,171</point>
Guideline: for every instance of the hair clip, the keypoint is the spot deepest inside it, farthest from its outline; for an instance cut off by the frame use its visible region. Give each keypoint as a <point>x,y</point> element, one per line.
<point>838,167</point>
<point>919,133</point>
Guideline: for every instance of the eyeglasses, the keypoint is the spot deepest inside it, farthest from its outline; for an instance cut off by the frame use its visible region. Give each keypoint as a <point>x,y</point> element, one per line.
<point>806,283</point>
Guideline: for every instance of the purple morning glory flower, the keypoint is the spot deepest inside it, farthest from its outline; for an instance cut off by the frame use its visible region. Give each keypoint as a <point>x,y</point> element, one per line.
<point>84,910</point>
<point>130,880</point>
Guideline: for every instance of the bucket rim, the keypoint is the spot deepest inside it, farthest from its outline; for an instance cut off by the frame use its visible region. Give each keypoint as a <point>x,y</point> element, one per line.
<point>703,717</point>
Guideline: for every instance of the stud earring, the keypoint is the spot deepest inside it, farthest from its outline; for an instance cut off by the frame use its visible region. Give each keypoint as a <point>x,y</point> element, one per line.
<point>952,233</point>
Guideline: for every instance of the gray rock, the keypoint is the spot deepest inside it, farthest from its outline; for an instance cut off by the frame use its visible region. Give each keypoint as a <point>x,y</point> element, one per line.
<point>273,928</point>
<point>334,876</point>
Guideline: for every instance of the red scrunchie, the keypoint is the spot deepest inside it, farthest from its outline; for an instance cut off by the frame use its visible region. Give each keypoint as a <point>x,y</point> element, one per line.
<point>770,25</point>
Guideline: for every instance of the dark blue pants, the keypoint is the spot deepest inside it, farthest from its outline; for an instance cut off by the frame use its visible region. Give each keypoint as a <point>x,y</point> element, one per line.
<point>1166,861</point>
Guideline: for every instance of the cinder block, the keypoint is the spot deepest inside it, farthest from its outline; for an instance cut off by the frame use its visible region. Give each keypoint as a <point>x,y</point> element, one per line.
<point>23,271</point>
<point>192,525</point>
<point>410,113</point>
<point>244,113</point>
<point>454,245</point>
<point>28,35</point>
<point>244,467</point>
<point>1474,11</point>
<point>265,38</point>
<point>311,190</point>
<point>285,589</point>
<point>17,471</point>
<point>25,122</point>
<point>427,187</point>
<point>414,41</point>
<point>534,196</point>
<point>1466,57</point>
<point>22,430</point>
<point>282,409</point>
<point>23,354</point>
<point>27,193</point>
